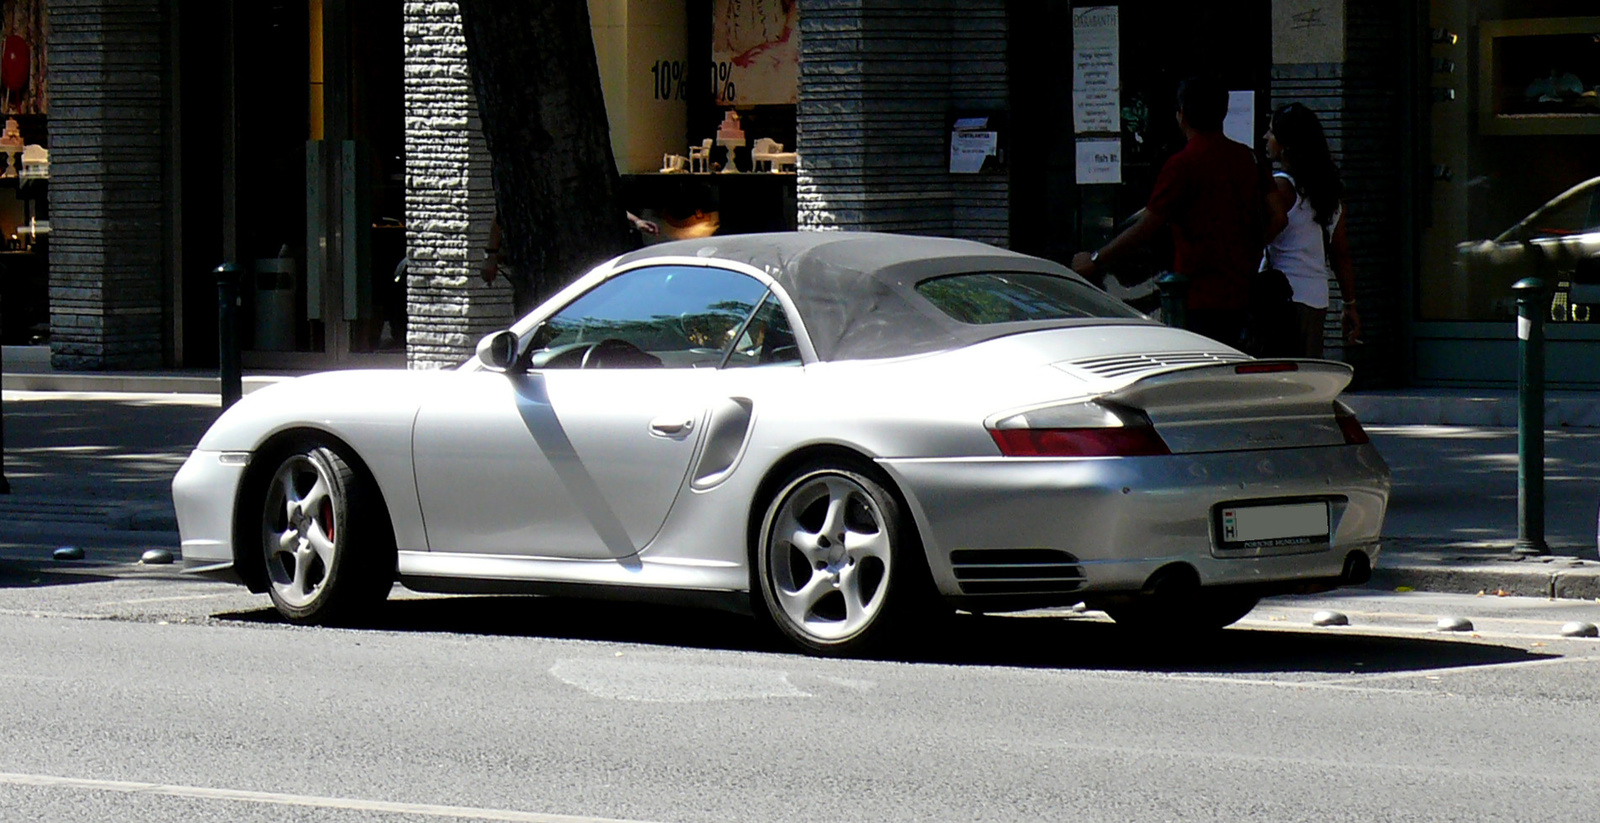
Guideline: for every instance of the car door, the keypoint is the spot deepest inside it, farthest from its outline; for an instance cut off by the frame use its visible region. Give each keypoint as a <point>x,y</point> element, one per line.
<point>583,454</point>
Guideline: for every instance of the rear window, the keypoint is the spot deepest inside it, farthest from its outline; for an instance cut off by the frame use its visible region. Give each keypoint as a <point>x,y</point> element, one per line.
<point>983,298</point>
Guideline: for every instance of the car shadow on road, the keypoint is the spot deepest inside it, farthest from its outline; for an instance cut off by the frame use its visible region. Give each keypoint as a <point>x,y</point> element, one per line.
<point>20,574</point>
<point>1029,641</point>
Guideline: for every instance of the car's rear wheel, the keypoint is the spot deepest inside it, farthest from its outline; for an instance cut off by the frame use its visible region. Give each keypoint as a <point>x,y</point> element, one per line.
<point>840,570</point>
<point>328,556</point>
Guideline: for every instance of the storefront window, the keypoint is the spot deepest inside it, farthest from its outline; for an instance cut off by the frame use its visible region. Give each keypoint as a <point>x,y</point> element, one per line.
<point>701,98</point>
<point>1515,126</point>
<point>24,175</point>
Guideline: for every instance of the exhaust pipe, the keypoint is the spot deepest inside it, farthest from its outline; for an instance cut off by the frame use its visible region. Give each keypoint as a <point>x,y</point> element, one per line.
<point>1357,569</point>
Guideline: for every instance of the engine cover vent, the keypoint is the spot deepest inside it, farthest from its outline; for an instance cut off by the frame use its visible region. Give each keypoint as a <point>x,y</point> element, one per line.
<point>1016,571</point>
<point>1118,365</point>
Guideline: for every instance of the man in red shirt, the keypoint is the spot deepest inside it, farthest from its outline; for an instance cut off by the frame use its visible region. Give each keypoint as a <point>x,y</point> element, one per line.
<point>1213,195</point>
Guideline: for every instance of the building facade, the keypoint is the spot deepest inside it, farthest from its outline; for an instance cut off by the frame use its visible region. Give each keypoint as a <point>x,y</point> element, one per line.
<point>316,144</point>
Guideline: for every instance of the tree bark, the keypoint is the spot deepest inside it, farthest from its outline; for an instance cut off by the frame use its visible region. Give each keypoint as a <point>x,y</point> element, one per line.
<point>544,118</point>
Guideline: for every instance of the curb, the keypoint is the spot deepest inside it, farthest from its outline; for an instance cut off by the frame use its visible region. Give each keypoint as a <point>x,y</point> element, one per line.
<point>1469,408</point>
<point>129,383</point>
<point>1555,577</point>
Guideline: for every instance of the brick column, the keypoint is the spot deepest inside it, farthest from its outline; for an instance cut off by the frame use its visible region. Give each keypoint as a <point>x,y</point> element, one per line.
<point>878,81</point>
<point>449,196</point>
<point>1345,60</point>
<point>106,195</point>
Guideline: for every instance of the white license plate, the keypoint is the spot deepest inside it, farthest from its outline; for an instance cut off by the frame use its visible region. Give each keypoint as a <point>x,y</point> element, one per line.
<point>1287,524</point>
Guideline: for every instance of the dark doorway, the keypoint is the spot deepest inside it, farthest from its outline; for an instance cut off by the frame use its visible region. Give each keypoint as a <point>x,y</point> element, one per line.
<point>1161,43</point>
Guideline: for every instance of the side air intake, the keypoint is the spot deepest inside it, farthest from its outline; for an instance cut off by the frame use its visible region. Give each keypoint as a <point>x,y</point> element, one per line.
<point>1016,571</point>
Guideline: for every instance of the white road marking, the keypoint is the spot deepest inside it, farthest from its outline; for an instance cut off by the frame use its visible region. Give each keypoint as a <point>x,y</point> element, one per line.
<point>54,615</point>
<point>312,801</point>
<point>657,681</point>
<point>1341,685</point>
<point>1413,632</point>
<point>167,599</point>
<point>1439,672</point>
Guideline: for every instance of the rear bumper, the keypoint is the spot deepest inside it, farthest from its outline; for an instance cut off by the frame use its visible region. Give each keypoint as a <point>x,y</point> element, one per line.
<point>1121,519</point>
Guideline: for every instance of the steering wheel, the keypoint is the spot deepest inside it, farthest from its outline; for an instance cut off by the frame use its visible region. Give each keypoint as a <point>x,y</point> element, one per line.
<point>612,353</point>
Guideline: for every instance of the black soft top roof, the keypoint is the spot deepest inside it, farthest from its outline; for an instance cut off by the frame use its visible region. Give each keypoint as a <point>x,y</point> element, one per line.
<point>856,290</point>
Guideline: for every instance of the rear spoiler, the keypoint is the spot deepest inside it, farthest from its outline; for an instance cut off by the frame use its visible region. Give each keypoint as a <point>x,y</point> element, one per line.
<point>1239,386</point>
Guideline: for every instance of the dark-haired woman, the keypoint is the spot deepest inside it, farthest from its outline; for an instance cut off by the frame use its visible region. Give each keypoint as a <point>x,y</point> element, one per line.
<point>1305,203</point>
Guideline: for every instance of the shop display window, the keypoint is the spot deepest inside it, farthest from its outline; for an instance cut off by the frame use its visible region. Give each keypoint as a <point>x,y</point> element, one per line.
<point>1539,76</point>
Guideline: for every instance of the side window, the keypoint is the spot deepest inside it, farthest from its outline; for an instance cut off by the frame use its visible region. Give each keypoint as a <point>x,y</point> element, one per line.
<point>657,317</point>
<point>767,340</point>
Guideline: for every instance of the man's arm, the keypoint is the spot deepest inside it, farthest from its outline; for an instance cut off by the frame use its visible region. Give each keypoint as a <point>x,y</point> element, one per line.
<point>491,255</point>
<point>1143,230</point>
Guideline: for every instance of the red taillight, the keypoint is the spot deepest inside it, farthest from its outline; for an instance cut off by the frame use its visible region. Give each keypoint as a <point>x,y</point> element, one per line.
<point>1116,441</point>
<point>1354,435</point>
<point>1264,368</point>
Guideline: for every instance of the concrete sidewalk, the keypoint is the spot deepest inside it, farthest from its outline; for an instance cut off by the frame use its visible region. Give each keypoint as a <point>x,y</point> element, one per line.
<point>93,467</point>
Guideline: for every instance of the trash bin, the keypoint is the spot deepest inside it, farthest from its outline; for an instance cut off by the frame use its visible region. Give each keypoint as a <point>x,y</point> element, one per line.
<point>274,304</point>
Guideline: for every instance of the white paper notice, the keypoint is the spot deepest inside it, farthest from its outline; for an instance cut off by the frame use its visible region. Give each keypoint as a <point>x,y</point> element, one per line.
<point>1096,77</point>
<point>969,148</point>
<point>1240,124</point>
<point>1099,161</point>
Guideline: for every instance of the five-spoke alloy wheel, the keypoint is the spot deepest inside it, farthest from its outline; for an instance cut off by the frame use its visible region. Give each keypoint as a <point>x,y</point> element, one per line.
<point>324,559</point>
<point>835,568</point>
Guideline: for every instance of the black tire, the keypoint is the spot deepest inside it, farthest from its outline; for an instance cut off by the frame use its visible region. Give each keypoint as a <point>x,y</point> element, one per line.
<point>329,552</point>
<point>880,559</point>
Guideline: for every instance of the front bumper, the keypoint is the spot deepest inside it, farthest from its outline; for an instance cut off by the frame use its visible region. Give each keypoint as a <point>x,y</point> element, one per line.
<point>1121,519</point>
<point>203,493</point>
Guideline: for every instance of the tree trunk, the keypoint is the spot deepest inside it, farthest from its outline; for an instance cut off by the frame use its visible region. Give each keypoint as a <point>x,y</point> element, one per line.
<point>544,118</point>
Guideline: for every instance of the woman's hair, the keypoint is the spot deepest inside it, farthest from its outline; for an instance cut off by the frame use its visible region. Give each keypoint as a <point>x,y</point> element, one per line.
<point>1305,151</point>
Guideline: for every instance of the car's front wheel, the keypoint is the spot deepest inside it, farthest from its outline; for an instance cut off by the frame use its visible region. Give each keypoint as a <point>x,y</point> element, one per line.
<point>840,569</point>
<point>329,557</point>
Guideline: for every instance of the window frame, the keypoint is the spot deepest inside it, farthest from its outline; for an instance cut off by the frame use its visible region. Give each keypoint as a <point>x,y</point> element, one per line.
<point>916,289</point>
<point>530,325</point>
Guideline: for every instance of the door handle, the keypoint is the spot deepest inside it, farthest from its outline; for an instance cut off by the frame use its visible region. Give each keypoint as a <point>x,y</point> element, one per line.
<point>671,426</point>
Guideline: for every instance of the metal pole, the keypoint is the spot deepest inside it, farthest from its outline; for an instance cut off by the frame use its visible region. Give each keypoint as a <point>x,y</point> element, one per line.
<point>228,334</point>
<point>1174,299</point>
<point>1532,303</point>
<point>5,485</point>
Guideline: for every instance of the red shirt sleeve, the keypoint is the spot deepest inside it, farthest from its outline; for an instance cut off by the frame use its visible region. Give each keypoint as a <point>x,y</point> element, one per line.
<point>1171,193</point>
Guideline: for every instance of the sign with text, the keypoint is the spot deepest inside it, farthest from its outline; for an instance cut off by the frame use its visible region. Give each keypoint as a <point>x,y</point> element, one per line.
<point>1099,161</point>
<point>969,148</point>
<point>1240,124</point>
<point>1096,75</point>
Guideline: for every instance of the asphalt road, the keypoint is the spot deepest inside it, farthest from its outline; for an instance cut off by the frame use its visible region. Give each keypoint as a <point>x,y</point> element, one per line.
<point>134,695</point>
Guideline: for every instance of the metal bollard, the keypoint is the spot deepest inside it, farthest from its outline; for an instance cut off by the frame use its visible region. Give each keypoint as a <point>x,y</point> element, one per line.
<point>228,334</point>
<point>1533,301</point>
<point>1174,298</point>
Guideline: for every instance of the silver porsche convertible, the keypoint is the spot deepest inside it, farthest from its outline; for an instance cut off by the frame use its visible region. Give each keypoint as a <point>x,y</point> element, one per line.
<point>846,435</point>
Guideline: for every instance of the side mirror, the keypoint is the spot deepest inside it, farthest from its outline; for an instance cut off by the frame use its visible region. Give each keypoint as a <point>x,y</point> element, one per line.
<point>498,351</point>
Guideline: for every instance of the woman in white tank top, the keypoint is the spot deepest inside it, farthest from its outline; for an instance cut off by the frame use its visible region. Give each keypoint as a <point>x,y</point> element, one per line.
<point>1308,240</point>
